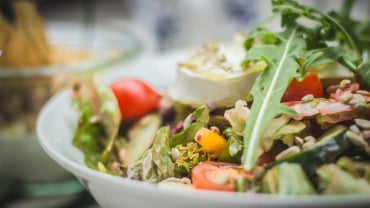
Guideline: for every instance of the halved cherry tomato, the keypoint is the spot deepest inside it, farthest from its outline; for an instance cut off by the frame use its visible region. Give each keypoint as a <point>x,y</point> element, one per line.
<point>311,84</point>
<point>217,176</point>
<point>135,98</point>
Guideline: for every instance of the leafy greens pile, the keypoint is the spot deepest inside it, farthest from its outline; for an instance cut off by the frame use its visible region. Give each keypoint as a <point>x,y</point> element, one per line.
<point>288,54</point>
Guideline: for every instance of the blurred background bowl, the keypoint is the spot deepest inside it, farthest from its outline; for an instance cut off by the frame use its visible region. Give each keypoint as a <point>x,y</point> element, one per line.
<point>24,91</point>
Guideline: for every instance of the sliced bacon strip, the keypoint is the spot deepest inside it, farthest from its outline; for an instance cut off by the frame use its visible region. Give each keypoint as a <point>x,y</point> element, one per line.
<point>303,109</point>
<point>334,107</point>
<point>339,92</point>
<point>321,106</point>
<point>327,107</point>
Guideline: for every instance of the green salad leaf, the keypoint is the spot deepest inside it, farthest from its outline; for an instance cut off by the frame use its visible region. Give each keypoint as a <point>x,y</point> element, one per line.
<point>110,118</point>
<point>201,119</point>
<point>359,29</point>
<point>187,156</point>
<point>99,121</point>
<point>234,147</point>
<point>334,180</point>
<point>358,169</point>
<point>268,89</point>
<point>328,28</point>
<point>364,74</point>
<point>287,179</point>
<point>156,163</point>
<point>349,35</point>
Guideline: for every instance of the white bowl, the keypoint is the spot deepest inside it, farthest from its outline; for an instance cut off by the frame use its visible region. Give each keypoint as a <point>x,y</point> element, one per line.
<point>55,128</point>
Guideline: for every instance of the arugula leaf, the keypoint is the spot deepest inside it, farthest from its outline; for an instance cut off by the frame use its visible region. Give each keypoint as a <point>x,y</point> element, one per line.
<point>268,89</point>
<point>330,28</point>
<point>362,30</point>
<point>364,73</point>
<point>358,29</point>
<point>348,34</point>
<point>326,55</point>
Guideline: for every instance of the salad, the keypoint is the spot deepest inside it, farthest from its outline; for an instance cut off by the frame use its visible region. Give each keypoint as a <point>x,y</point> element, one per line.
<point>294,118</point>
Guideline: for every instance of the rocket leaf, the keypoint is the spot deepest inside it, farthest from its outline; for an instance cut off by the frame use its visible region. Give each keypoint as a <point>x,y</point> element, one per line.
<point>268,89</point>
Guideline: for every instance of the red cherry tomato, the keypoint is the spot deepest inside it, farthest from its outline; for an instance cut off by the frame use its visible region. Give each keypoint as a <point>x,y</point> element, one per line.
<point>135,98</point>
<point>217,176</point>
<point>311,84</point>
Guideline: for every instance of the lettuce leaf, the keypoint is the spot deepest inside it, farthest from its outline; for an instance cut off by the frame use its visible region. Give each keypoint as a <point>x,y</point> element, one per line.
<point>99,120</point>
<point>334,180</point>
<point>156,163</point>
<point>358,169</point>
<point>287,179</point>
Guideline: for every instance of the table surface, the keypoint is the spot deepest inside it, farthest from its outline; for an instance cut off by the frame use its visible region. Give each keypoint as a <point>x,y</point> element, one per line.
<point>69,193</point>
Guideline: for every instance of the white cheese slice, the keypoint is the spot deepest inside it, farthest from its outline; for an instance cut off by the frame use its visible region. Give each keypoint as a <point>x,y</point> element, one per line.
<point>214,76</point>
